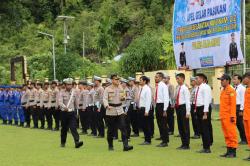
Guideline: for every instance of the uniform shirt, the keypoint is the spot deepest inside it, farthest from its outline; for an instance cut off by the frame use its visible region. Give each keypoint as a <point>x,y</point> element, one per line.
<point>209,91</point>
<point>113,95</point>
<point>133,93</point>
<point>228,103</point>
<point>1,96</point>
<point>25,98</point>
<point>145,98</point>
<point>246,113</point>
<point>83,97</point>
<point>54,97</point>
<point>240,94</point>
<point>126,102</point>
<point>192,95</point>
<point>171,93</point>
<point>98,97</point>
<point>46,98</point>
<point>184,97</point>
<point>90,98</point>
<point>66,101</point>
<point>162,95</point>
<point>38,97</point>
<point>203,97</point>
<point>32,99</point>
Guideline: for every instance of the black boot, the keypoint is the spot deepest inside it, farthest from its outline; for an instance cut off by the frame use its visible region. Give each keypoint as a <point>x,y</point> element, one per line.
<point>21,124</point>
<point>232,153</point>
<point>16,123</point>
<point>224,155</point>
<point>126,147</point>
<point>10,122</point>
<point>4,122</point>
<point>110,142</point>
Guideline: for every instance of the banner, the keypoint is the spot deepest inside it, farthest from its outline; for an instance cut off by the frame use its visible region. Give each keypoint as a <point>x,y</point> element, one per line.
<point>206,33</point>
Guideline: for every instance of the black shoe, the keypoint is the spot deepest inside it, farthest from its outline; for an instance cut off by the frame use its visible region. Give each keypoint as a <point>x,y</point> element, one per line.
<point>170,133</point>
<point>242,142</point>
<point>111,148</point>
<point>128,148</point>
<point>225,154</point>
<point>247,159</point>
<point>205,151</point>
<point>231,155</point>
<point>158,139</point>
<point>161,145</point>
<point>16,123</point>
<point>183,148</point>
<point>78,144</point>
<point>42,127</point>
<point>62,145</point>
<point>145,143</point>
<point>135,135</point>
<point>196,137</point>
<point>10,122</point>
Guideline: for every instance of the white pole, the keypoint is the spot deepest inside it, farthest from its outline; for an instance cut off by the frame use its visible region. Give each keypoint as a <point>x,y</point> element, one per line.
<point>244,34</point>
<point>65,36</point>
<point>54,57</point>
<point>83,45</point>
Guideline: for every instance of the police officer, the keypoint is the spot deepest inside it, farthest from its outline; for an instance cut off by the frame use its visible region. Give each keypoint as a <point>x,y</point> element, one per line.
<point>68,102</point>
<point>83,97</point>
<point>90,109</point>
<point>132,111</point>
<point>54,104</point>
<point>11,105</point>
<point>25,104</point>
<point>1,101</point>
<point>20,110</point>
<point>33,104</point>
<point>194,117</point>
<point>46,100</point>
<point>39,105</point>
<point>99,109</point>
<point>115,116</point>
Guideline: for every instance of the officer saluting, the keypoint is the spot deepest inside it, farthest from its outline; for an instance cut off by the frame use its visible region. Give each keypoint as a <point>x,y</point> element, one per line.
<point>112,99</point>
<point>68,103</point>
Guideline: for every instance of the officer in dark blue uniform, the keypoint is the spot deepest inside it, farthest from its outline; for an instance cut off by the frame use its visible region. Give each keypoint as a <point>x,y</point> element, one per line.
<point>11,105</point>
<point>5,104</point>
<point>1,100</point>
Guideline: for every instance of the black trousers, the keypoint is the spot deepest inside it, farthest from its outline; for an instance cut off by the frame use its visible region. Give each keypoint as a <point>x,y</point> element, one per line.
<point>27,115</point>
<point>183,125</point>
<point>35,115</point>
<point>204,126</point>
<point>195,124</point>
<point>151,121</point>
<point>84,119</point>
<point>56,116</point>
<point>42,116</point>
<point>240,124</point>
<point>133,116</point>
<point>99,116</point>
<point>68,121</point>
<point>48,115</point>
<point>146,125</point>
<point>113,122</point>
<point>162,122</point>
<point>92,117</point>
<point>170,119</point>
<point>210,125</point>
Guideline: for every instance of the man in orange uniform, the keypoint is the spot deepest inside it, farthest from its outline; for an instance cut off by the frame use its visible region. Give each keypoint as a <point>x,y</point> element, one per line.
<point>246,113</point>
<point>228,116</point>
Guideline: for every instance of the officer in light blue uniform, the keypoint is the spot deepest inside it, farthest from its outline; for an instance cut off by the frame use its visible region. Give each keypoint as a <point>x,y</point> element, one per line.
<point>20,111</point>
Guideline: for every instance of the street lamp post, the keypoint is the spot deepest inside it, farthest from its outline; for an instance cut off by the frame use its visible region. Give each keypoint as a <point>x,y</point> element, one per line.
<point>65,30</point>
<point>53,51</point>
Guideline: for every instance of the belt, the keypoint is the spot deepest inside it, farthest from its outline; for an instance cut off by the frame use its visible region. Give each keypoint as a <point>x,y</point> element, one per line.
<point>80,105</point>
<point>53,101</point>
<point>115,105</point>
<point>45,101</point>
<point>38,102</point>
<point>32,100</point>
<point>24,103</point>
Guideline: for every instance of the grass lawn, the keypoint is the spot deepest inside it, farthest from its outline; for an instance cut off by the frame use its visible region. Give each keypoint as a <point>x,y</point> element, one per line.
<point>28,147</point>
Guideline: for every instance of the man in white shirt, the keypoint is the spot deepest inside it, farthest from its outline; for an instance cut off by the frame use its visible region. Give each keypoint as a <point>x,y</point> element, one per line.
<point>145,99</point>
<point>182,106</point>
<point>240,91</point>
<point>162,103</point>
<point>201,107</point>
